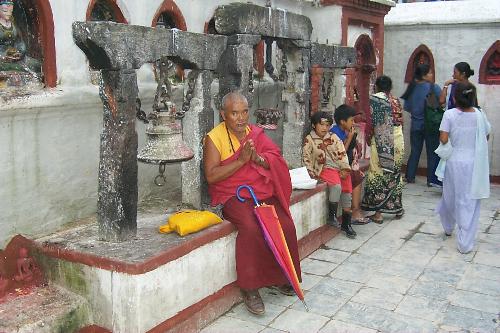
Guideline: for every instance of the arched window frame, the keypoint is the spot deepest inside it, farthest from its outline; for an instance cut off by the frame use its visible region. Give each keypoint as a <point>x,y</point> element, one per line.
<point>410,67</point>
<point>45,32</point>
<point>169,7</point>
<point>484,77</point>
<point>120,18</point>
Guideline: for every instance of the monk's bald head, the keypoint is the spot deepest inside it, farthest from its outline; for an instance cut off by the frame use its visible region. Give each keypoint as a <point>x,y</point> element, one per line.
<point>231,98</point>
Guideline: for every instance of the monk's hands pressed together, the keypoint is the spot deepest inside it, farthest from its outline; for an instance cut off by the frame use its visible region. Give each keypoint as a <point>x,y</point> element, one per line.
<point>247,152</point>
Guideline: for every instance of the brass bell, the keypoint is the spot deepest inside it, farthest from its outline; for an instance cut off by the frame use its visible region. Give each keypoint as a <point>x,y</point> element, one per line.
<point>164,139</point>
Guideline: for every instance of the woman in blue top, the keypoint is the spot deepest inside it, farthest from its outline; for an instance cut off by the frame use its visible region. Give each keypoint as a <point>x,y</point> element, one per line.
<point>461,74</point>
<point>414,97</point>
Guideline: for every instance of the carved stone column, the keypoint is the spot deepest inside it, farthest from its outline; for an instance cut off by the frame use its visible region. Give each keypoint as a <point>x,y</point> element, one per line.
<point>198,121</point>
<point>296,103</point>
<point>117,199</point>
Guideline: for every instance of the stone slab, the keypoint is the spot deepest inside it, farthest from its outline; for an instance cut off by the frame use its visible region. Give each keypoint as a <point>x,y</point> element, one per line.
<point>227,324</point>
<point>317,267</point>
<point>247,18</point>
<point>472,300</point>
<point>45,310</point>
<point>469,319</point>
<point>110,45</point>
<point>321,304</point>
<point>240,311</point>
<point>294,321</point>
<point>332,56</point>
<point>429,309</point>
<point>337,326</point>
<point>330,255</point>
<point>380,298</point>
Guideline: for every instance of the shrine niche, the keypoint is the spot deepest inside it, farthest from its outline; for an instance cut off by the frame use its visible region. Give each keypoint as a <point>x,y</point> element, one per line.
<point>365,74</point>
<point>19,271</point>
<point>104,10</point>
<point>489,70</point>
<point>21,51</point>
<point>421,55</point>
<point>169,16</point>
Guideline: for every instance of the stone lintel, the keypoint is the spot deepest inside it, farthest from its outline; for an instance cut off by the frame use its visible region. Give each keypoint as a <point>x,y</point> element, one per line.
<point>243,39</point>
<point>247,18</point>
<point>303,44</point>
<point>332,56</point>
<point>114,46</point>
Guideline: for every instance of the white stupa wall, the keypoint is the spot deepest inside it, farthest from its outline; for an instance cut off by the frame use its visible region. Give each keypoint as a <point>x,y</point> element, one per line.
<point>454,31</point>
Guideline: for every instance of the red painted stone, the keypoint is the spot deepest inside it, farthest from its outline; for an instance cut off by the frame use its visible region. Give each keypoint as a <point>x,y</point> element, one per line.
<point>19,272</point>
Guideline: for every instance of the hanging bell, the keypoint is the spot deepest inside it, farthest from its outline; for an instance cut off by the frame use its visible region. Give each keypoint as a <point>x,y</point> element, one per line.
<point>164,139</point>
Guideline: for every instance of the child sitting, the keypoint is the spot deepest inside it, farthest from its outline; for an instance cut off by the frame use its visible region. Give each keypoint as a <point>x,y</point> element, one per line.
<point>344,129</point>
<point>326,159</point>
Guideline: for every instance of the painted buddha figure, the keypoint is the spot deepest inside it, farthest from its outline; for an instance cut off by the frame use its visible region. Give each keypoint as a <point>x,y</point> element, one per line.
<point>13,56</point>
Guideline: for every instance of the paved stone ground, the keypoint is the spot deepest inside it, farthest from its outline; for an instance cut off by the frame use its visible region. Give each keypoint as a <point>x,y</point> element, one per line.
<point>401,276</point>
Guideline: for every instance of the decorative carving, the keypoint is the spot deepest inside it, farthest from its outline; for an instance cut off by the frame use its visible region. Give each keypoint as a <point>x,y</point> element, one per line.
<point>19,272</point>
<point>25,266</point>
<point>268,118</point>
<point>326,88</point>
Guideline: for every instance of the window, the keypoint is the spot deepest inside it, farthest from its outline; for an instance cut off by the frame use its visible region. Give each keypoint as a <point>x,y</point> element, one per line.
<point>489,71</point>
<point>421,55</point>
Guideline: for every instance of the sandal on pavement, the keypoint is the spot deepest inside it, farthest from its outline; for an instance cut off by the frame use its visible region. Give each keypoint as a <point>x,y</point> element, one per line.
<point>285,289</point>
<point>253,301</point>
<point>360,221</point>
<point>378,221</point>
<point>400,215</point>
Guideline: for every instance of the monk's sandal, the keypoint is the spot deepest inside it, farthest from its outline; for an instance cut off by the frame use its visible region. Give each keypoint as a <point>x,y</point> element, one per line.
<point>253,301</point>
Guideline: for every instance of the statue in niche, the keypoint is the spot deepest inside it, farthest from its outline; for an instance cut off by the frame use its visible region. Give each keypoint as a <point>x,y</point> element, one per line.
<point>16,67</point>
<point>25,266</point>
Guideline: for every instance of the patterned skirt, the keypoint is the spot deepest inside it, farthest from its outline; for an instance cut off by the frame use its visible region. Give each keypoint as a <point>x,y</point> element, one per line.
<point>383,190</point>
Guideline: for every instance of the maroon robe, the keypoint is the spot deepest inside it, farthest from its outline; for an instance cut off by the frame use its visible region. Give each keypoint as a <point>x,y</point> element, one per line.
<point>256,266</point>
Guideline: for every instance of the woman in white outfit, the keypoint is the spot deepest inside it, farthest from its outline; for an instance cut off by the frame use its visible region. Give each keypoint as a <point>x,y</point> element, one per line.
<point>466,175</point>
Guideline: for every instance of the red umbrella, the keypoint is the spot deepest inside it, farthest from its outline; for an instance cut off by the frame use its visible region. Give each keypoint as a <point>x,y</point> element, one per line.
<point>275,239</point>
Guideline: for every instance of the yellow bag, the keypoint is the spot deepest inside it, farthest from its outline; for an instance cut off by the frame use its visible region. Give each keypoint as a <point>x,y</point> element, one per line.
<point>189,220</point>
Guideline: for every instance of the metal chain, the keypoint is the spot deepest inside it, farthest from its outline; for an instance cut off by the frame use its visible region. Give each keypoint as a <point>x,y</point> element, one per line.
<point>186,104</point>
<point>161,180</point>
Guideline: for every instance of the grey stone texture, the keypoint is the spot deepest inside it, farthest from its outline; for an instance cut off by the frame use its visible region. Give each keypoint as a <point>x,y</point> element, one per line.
<point>198,121</point>
<point>117,189</point>
<point>420,285</point>
<point>110,45</point>
<point>332,56</point>
<point>247,18</point>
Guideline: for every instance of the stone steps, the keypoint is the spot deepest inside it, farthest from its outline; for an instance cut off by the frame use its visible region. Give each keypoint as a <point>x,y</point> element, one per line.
<point>44,310</point>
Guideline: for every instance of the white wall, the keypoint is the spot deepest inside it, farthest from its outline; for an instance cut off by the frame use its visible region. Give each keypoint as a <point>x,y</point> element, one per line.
<point>456,31</point>
<point>49,142</point>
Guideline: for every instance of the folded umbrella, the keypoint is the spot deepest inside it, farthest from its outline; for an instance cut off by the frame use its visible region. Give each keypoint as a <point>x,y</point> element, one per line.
<point>275,239</point>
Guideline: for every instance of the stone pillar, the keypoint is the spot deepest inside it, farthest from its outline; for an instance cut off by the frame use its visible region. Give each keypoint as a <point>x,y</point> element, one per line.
<point>236,65</point>
<point>197,122</point>
<point>296,104</point>
<point>117,200</point>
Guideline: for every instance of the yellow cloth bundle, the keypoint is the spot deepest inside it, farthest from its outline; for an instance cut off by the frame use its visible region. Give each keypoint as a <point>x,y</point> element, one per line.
<point>188,221</point>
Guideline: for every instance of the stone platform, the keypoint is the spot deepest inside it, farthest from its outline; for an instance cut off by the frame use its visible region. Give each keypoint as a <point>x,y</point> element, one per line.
<point>158,282</point>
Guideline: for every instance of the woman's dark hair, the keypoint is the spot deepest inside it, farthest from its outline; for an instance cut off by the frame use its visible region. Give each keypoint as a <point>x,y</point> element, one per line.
<point>465,95</point>
<point>383,83</point>
<point>420,71</point>
<point>464,68</point>
<point>317,116</point>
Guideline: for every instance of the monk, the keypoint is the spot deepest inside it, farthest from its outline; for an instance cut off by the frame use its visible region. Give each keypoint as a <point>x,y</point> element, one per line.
<point>236,153</point>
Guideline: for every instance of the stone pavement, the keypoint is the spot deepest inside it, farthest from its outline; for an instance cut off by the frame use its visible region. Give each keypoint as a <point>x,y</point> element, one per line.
<point>401,276</point>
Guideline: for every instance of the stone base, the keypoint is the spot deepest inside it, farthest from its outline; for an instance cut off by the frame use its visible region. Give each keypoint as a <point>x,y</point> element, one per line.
<point>158,282</point>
